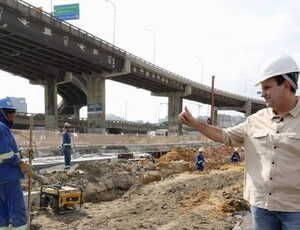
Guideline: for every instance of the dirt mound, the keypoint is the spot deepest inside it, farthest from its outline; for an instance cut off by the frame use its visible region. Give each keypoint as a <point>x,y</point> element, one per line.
<point>215,157</point>
<point>144,191</point>
<point>178,154</point>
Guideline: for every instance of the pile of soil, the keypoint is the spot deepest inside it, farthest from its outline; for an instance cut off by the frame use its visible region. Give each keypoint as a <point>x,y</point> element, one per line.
<point>142,194</point>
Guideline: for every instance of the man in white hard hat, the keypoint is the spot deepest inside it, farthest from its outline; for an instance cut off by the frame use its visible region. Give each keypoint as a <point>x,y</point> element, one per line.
<point>271,139</point>
<point>235,157</point>
<point>67,148</point>
<point>200,159</point>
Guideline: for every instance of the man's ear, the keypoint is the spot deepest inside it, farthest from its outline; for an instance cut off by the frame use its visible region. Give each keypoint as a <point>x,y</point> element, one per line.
<point>287,86</point>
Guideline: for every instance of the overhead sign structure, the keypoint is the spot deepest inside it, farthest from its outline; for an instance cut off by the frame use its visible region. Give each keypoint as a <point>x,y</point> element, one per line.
<point>94,108</point>
<point>67,12</point>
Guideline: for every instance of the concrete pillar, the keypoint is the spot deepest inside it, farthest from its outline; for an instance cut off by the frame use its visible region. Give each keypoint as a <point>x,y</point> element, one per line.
<point>174,108</point>
<point>76,113</point>
<point>96,103</point>
<point>248,108</point>
<point>51,103</point>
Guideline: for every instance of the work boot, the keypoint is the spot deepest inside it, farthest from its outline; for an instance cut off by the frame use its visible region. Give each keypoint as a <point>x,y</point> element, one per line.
<point>67,168</point>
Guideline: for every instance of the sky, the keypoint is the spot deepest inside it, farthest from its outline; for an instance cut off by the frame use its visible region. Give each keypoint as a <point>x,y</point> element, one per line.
<point>196,39</point>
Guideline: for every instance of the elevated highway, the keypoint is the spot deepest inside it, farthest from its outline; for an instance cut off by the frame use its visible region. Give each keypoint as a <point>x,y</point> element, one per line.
<point>75,64</point>
<point>112,126</point>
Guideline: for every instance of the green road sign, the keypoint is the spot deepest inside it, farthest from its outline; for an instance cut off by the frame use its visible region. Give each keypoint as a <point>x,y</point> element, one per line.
<point>70,9</point>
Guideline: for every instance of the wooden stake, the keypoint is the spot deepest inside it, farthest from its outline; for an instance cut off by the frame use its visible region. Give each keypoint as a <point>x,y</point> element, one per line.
<point>29,176</point>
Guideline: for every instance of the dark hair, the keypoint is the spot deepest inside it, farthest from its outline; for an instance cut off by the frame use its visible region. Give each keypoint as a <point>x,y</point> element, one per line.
<point>280,79</point>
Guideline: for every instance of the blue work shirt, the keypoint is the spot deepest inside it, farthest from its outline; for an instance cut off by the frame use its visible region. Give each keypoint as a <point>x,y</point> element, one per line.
<point>9,156</point>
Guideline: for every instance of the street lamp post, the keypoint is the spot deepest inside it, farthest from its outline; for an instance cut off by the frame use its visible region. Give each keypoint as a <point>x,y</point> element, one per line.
<point>154,41</point>
<point>114,34</point>
<point>199,106</point>
<point>201,68</point>
<point>164,103</point>
<point>124,104</point>
<point>126,110</point>
<point>157,113</point>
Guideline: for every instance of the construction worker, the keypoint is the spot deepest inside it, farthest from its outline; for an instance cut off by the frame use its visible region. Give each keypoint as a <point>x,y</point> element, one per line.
<point>200,159</point>
<point>67,145</point>
<point>235,158</point>
<point>12,170</point>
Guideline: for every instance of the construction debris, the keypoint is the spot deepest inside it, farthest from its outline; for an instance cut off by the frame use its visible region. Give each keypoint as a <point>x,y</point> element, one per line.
<point>119,191</point>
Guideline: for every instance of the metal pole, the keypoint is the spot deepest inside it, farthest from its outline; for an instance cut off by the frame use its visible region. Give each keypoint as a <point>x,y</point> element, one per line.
<point>199,106</point>
<point>212,100</point>
<point>114,34</point>
<point>125,110</point>
<point>154,41</point>
<point>157,113</point>
<point>29,176</point>
<point>165,103</point>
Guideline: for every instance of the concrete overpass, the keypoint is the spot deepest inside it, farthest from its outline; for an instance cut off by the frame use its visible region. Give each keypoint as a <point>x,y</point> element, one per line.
<point>75,64</point>
<point>80,124</point>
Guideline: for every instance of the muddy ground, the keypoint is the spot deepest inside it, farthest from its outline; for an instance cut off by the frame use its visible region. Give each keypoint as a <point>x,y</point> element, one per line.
<point>142,194</point>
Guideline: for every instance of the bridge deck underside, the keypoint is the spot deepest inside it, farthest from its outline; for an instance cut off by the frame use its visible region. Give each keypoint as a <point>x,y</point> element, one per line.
<point>36,62</point>
<point>224,101</point>
<point>26,51</point>
<point>143,82</point>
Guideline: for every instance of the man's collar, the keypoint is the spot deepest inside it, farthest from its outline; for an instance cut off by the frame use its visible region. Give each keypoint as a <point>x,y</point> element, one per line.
<point>294,112</point>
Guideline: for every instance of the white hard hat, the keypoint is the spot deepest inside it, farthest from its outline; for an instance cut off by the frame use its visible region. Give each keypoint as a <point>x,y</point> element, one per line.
<point>279,65</point>
<point>67,124</point>
<point>201,149</point>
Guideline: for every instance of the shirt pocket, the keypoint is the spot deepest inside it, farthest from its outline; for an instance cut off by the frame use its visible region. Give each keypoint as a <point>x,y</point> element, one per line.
<point>261,142</point>
<point>293,142</point>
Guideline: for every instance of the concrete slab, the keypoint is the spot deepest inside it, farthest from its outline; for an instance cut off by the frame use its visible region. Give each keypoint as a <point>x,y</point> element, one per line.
<point>47,162</point>
<point>34,195</point>
<point>246,223</point>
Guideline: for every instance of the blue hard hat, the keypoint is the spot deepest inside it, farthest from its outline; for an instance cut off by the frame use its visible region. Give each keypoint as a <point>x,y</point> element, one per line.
<point>7,103</point>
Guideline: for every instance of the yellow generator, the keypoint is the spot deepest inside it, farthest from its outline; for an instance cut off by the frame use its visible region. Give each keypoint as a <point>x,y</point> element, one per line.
<point>60,198</point>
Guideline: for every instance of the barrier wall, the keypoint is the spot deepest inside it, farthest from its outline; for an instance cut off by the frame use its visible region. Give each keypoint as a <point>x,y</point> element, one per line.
<point>43,139</point>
